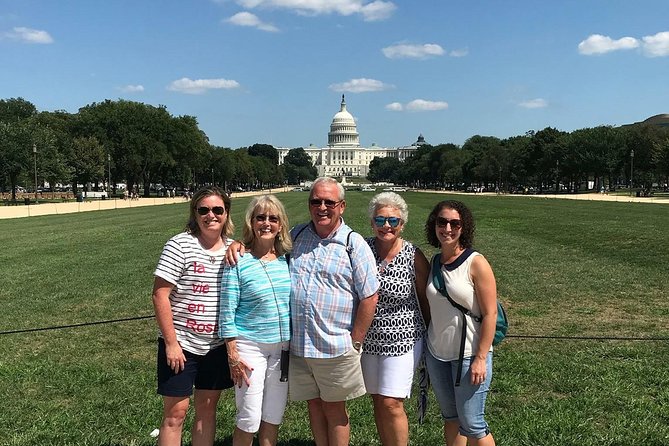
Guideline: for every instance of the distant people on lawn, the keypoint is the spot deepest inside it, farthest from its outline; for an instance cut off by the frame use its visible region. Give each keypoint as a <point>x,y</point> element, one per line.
<point>334,295</point>
<point>393,346</point>
<point>470,282</point>
<point>186,302</point>
<point>255,322</point>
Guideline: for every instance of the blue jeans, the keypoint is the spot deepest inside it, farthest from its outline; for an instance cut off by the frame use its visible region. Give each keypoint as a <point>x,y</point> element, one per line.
<point>465,403</point>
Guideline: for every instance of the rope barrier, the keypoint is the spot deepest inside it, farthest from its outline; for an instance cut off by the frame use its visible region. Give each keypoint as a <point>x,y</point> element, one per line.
<point>516,336</point>
<point>83,324</point>
<point>588,338</point>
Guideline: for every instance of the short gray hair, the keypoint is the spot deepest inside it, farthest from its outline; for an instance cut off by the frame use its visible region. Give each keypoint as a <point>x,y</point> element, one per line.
<point>328,180</point>
<point>391,200</point>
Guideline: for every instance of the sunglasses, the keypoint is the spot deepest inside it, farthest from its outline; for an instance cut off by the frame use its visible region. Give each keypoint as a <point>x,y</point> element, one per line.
<point>271,218</point>
<point>443,222</point>
<point>392,221</point>
<point>217,210</point>
<point>330,204</point>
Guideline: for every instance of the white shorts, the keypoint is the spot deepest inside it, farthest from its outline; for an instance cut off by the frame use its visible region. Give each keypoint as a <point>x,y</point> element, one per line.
<point>391,375</point>
<point>265,398</point>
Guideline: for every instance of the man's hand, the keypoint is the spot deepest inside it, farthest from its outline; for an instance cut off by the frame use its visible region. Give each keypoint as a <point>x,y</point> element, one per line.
<point>235,250</point>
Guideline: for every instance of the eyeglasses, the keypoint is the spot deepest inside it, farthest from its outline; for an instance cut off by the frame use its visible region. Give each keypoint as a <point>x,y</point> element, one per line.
<point>271,218</point>
<point>392,221</point>
<point>443,222</point>
<point>217,210</point>
<point>330,204</point>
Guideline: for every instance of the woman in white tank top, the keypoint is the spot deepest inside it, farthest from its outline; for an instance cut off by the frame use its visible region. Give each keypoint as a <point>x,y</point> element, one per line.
<point>470,282</point>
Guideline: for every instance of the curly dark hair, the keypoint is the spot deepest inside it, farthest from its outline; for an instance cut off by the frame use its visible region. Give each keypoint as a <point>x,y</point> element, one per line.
<point>467,232</point>
<point>192,227</point>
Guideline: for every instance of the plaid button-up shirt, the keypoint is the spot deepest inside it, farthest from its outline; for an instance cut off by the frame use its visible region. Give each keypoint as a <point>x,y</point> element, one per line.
<point>327,284</point>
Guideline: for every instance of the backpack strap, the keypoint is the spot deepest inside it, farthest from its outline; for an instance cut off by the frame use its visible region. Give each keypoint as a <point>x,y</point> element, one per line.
<point>349,247</point>
<point>438,282</point>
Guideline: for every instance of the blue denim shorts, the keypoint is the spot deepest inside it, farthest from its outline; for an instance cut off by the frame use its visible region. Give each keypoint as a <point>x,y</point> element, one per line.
<point>464,403</point>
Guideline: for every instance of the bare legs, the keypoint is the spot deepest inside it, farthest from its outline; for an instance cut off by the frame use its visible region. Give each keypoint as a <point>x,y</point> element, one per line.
<point>453,437</point>
<point>267,435</point>
<point>391,420</point>
<point>174,414</point>
<point>329,422</point>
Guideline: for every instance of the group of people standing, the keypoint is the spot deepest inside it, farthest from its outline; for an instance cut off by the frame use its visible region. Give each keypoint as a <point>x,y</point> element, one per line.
<point>322,314</point>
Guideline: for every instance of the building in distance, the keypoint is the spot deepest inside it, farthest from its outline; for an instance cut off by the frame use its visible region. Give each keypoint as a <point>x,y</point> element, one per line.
<point>343,155</point>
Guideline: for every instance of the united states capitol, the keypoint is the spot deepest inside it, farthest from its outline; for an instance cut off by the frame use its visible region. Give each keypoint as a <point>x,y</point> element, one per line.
<point>343,155</point>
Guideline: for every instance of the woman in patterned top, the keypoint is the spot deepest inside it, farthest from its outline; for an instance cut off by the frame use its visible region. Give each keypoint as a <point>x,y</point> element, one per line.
<point>393,346</point>
<point>185,299</point>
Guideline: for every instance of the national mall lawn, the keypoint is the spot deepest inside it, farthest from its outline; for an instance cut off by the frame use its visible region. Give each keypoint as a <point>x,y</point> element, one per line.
<point>564,268</point>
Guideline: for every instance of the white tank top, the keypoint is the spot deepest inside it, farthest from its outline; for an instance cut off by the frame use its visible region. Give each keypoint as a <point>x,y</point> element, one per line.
<point>445,330</point>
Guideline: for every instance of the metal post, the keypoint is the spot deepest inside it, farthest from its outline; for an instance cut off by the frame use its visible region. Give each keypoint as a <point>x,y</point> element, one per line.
<point>109,186</point>
<point>35,156</point>
<point>632,172</point>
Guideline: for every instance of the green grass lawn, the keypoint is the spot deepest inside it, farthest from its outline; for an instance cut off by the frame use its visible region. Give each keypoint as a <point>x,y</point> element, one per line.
<point>563,267</point>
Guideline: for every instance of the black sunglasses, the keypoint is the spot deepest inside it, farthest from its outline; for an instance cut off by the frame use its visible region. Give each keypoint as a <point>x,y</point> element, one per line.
<point>330,204</point>
<point>217,210</point>
<point>270,218</point>
<point>443,222</point>
<point>392,221</point>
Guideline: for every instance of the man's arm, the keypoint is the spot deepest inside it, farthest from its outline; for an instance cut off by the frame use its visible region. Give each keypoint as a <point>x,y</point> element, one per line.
<point>364,317</point>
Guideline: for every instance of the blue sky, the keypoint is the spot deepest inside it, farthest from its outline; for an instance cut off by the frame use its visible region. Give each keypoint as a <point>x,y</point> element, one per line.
<point>273,71</point>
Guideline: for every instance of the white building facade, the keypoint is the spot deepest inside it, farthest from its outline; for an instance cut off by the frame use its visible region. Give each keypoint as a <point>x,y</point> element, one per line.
<point>343,154</point>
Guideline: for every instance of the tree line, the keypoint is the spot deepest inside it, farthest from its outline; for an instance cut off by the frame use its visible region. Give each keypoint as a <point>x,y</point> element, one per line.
<point>135,144</point>
<point>123,142</point>
<point>601,157</point>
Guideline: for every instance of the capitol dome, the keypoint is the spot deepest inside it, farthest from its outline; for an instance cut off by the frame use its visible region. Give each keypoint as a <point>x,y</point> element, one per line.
<point>343,130</point>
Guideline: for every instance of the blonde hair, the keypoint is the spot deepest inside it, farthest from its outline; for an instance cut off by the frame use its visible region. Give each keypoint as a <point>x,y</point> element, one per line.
<point>267,203</point>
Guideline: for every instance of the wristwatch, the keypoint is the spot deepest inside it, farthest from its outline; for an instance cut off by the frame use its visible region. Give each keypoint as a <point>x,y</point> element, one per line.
<point>357,345</point>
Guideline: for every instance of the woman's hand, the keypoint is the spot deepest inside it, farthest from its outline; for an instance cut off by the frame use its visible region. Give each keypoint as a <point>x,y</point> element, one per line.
<point>238,371</point>
<point>234,251</point>
<point>176,360</point>
<point>477,371</point>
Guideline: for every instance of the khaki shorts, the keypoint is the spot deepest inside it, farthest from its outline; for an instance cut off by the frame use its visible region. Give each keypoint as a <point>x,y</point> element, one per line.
<point>330,379</point>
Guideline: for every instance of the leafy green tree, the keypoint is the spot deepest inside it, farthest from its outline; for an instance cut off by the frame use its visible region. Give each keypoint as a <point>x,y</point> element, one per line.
<point>265,151</point>
<point>87,161</point>
<point>16,145</point>
<point>53,140</point>
<point>298,166</point>
<point>16,109</point>
<point>383,169</point>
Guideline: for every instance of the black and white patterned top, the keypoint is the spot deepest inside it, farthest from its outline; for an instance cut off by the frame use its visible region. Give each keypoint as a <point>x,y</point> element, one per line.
<point>398,322</point>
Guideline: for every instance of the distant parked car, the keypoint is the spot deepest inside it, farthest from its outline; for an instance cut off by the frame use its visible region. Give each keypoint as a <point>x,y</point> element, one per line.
<point>368,189</point>
<point>297,189</point>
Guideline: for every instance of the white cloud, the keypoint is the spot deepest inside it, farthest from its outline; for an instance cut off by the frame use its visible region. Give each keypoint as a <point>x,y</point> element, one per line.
<point>377,10</point>
<point>131,88</point>
<point>418,105</point>
<point>361,85</point>
<point>27,35</point>
<point>423,105</point>
<point>408,51</point>
<point>199,86</point>
<point>598,44</point>
<point>657,45</point>
<point>248,19</point>
<point>370,11</point>
<point>459,53</point>
<point>534,103</point>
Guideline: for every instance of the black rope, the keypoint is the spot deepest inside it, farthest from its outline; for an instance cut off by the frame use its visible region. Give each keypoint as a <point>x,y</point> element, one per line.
<point>83,324</point>
<point>588,338</point>
<point>521,336</point>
